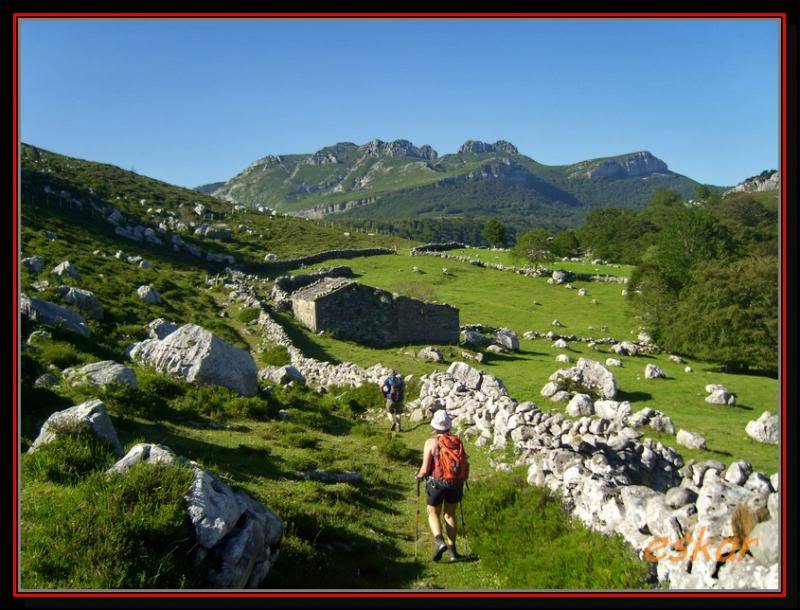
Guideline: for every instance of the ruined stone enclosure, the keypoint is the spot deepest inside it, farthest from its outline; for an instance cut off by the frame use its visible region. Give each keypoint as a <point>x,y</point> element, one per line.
<point>372,316</point>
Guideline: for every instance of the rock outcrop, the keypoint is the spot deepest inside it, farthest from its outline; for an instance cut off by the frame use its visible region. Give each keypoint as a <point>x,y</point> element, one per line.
<point>104,373</point>
<point>91,414</point>
<point>51,314</point>
<point>197,355</point>
<point>765,429</point>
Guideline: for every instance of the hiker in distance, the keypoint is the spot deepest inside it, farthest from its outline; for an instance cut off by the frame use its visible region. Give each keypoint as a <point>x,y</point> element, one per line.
<point>393,389</point>
<point>446,468</point>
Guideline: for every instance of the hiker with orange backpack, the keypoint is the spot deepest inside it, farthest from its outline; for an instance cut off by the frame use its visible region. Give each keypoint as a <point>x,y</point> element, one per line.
<point>446,468</point>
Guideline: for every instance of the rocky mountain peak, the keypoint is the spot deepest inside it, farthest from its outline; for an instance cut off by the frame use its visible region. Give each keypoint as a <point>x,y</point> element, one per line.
<point>768,180</point>
<point>398,148</point>
<point>478,147</point>
<point>638,164</point>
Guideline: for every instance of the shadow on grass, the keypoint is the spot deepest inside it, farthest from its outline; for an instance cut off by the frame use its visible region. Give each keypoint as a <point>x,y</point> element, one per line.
<point>325,562</point>
<point>633,396</point>
<point>243,462</point>
<point>309,348</point>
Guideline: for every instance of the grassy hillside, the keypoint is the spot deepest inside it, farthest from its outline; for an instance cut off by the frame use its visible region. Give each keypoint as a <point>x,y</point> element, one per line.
<point>81,529</point>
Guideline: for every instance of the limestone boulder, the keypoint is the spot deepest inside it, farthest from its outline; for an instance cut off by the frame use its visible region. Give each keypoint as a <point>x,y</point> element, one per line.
<point>691,440</point>
<point>45,312</point>
<point>34,264</point>
<point>765,429</point>
<point>149,295</point>
<point>160,328</point>
<point>653,371</point>
<point>470,377</point>
<point>430,354</point>
<point>507,338</point>
<point>91,414</point>
<point>198,355</point>
<point>104,373</point>
<point>83,300</point>
<point>66,269</point>
<point>580,405</point>
<point>721,397</point>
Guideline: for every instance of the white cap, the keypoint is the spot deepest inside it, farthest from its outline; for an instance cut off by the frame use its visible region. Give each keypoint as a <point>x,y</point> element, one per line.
<point>441,421</point>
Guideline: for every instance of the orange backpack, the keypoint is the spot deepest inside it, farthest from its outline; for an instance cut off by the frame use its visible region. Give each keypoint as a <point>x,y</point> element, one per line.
<point>450,460</point>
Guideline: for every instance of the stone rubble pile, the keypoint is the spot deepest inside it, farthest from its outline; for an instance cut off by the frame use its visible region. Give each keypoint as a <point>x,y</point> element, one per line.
<point>616,481</point>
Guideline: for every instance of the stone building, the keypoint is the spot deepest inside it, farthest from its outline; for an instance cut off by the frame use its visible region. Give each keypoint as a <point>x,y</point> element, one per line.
<point>372,316</point>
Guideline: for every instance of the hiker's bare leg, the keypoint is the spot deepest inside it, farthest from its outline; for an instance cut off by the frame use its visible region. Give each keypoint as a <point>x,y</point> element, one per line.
<point>451,525</point>
<point>434,520</point>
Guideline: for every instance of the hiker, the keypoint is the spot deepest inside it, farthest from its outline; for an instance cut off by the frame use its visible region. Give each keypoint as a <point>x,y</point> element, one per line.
<point>393,389</point>
<point>446,468</point>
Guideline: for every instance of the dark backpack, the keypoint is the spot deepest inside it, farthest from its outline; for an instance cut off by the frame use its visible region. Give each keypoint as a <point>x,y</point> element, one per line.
<point>450,465</point>
<point>395,386</point>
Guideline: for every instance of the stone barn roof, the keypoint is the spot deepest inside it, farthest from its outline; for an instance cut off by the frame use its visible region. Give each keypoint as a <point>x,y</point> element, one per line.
<point>321,288</point>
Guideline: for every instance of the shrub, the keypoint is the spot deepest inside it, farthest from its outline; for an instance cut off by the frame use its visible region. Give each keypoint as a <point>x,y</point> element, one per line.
<point>395,450</point>
<point>534,544</point>
<point>75,453</point>
<point>247,314</point>
<point>61,354</point>
<point>109,531</point>
<point>363,429</point>
<point>275,355</point>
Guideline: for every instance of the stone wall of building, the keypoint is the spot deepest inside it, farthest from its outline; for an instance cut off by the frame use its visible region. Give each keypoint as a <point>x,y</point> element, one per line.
<point>376,317</point>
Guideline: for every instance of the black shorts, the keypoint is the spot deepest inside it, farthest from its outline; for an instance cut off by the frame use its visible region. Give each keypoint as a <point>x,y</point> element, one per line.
<point>438,494</point>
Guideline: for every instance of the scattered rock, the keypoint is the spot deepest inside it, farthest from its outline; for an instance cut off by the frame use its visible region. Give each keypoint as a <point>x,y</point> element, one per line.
<point>430,354</point>
<point>104,373</point>
<point>160,328</point>
<point>149,295</point>
<point>691,440</point>
<point>613,362</point>
<point>653,371</point>
<point>65,269</point>
<point>91,413</point>
<point>34,264</point>
<point>198,355</point>
<point>765,429</point>
<point>45,312</point>
<point>580,405</point>
<point>508,339</point>
<point>721,397</point>
<point>283,375</point>
<point>83,300</point>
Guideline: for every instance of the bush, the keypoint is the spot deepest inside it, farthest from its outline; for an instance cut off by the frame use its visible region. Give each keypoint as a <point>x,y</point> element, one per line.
<point>109,531</point>
<point>61,354</point>
<point>247,314</point>
<point>534,544</point>
<point>275,355</point>
<point>395,450</point>
<point>75,453</point>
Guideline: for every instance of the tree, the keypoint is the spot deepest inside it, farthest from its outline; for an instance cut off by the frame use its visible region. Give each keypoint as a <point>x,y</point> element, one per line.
<point>691,236</point>
<point>728,314</point>
<point>565,243</point>
<point>494,232</point>
<point>532,245</point>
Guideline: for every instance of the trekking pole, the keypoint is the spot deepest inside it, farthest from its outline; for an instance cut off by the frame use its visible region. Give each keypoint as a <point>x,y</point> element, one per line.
<point>464,523</point>
<point>416,535</point>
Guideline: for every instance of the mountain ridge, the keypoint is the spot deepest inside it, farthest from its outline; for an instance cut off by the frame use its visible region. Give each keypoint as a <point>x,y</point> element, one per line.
<point>349,179</point>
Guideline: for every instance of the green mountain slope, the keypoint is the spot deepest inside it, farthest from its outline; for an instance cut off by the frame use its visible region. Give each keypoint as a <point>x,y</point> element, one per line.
<point>401,181</point>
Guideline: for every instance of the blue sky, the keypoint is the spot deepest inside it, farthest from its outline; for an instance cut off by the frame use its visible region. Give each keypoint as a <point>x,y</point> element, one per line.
<point>195,101</point>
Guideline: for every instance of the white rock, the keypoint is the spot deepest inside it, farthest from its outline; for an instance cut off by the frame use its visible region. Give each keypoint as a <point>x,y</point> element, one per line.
<point>653,371</point>
<point>149,295</point>
<point>691,440</point>
<point>104,373</point>
<point>765,429</point>
<point>91,413</point>
<point>197,355</point>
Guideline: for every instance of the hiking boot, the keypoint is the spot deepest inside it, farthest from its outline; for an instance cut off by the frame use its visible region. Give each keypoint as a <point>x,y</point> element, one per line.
<point>451,551</point>
<point>439,551</point>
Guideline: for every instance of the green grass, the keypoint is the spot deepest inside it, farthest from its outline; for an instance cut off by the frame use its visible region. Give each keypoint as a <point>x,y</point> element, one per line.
<point>533,544</point>
<point>107,531</point>
<point>498,299</point>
